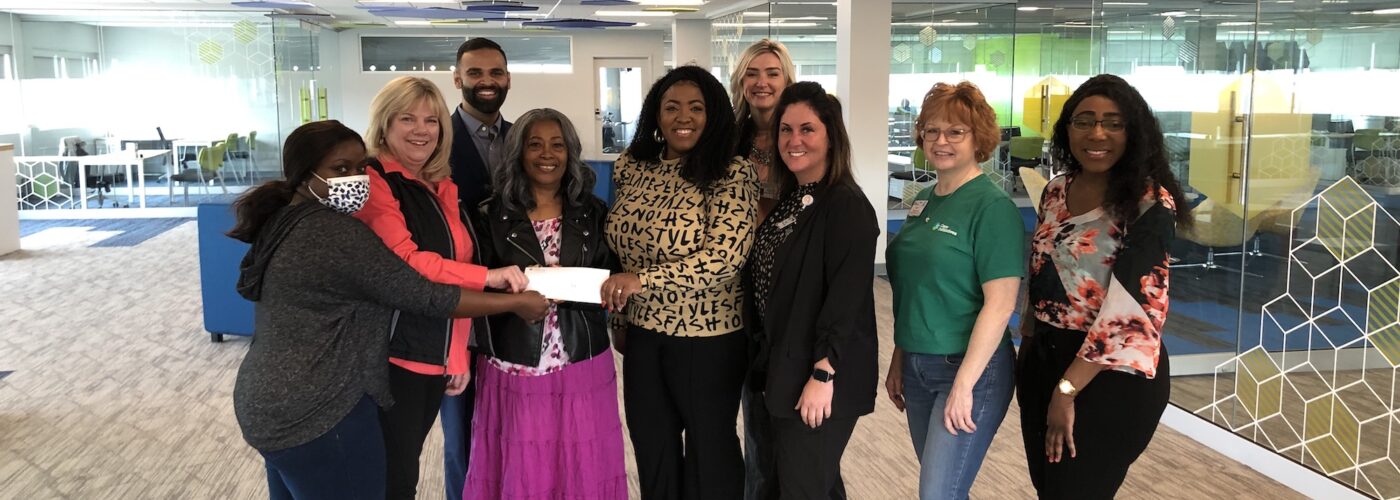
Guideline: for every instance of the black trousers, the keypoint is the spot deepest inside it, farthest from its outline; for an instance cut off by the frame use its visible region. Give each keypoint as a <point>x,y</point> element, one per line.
<point>1115,417</point>
<point>406,425</point>
<point>760,475</point>
<point>808,460</point>
<point>682,400</point>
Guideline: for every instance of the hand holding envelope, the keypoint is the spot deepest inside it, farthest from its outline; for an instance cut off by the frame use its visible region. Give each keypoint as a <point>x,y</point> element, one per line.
<point>571,284</point>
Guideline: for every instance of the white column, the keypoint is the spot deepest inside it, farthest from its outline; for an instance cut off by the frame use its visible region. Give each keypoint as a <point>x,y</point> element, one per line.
<point>9,204</point>
<point>863,84</point>
<point>690,42</point>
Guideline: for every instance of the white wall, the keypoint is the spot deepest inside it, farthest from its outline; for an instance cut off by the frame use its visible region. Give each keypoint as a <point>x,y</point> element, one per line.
<point>11,123</point>
<point>572,93</point>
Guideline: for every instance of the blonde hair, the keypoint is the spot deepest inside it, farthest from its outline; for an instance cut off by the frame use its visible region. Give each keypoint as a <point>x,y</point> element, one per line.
<point>399,96</point>
<point>736,79</point>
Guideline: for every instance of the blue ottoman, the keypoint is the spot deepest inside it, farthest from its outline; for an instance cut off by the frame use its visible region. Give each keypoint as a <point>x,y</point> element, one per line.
<point>225,312</point>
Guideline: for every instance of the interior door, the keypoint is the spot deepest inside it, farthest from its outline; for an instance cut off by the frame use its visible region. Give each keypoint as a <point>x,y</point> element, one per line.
<point>617,103</point>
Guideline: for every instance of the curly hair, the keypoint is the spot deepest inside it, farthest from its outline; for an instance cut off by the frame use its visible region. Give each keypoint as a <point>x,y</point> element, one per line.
<point>1144,162</point>
<point>513,184</point>
<point>708,161</point>
<point>961,103</point>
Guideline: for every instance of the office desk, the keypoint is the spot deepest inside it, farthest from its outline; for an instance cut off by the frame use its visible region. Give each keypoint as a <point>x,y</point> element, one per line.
<point>180,145</point>
<point>123,159</point>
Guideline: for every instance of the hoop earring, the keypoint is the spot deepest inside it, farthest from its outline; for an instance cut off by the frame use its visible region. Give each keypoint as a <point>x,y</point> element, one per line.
<point>656,136</point>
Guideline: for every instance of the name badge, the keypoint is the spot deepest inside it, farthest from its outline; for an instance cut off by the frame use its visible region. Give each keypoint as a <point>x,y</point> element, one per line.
<point>918,208</point>
<point>783,224</point>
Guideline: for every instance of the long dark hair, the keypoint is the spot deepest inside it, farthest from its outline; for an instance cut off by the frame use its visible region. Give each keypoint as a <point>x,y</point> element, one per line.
<point>709,160</point>
<point>828,109</point>
<point>1144,161</point>
<point>305,148</point>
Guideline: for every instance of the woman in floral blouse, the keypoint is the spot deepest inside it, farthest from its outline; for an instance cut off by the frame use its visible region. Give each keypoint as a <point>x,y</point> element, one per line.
<point>1094,376</point>
<point>546,398</point>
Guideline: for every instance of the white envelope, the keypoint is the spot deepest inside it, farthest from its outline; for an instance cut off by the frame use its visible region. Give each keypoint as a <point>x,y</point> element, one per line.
<point>573,284</point>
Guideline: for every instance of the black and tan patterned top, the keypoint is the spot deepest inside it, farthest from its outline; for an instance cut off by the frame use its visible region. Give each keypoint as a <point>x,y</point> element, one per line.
<point>771,235</point>
<point>686,246</point>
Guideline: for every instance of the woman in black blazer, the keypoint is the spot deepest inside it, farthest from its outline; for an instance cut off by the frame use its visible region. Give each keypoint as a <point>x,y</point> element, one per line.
<point>810,281</point>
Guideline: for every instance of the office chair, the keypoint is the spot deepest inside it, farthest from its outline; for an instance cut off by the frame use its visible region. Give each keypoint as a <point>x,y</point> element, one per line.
<point>204,170</point>
<point>98,184</point>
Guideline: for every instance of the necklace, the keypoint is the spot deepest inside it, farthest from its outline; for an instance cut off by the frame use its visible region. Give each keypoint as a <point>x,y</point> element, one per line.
<point>763,156</point>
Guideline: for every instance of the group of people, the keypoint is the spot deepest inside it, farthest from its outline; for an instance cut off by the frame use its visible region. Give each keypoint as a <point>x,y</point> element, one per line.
<point>388,274</point>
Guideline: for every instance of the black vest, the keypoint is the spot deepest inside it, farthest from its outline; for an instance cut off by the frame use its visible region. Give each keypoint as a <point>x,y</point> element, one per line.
<point>414,337</point>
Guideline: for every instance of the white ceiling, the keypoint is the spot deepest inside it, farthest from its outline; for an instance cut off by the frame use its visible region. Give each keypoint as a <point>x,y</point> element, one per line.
<point>335,12</point>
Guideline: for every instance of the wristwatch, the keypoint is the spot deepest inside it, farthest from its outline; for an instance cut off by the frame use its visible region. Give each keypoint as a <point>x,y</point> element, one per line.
<point>1067,388</point>
<point>821,375</point>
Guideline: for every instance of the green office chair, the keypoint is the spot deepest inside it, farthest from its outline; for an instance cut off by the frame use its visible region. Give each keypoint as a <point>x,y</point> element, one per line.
<point>232,153</point>
<point>205,170</point>
<point>1025,151</point>
<point>253,155</point>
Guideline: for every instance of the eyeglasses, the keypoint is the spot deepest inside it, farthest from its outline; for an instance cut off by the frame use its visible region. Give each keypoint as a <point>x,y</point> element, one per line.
<point>954,135</point>
<point>1085,124</point>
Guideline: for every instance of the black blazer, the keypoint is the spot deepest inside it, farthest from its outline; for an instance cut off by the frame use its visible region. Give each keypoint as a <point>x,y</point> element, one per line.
<point>822,304</point>
<point>470,174</point>
<point>508,239</point>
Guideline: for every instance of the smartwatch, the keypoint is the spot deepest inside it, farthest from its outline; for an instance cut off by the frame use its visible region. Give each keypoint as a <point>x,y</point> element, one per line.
<point>821,375</point>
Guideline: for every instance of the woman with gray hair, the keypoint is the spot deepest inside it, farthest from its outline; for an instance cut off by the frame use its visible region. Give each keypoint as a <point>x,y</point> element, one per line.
<point>546,401</point>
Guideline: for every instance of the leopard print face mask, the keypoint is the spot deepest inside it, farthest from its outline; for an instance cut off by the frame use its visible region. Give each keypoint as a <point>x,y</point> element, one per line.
<point>345,195</point>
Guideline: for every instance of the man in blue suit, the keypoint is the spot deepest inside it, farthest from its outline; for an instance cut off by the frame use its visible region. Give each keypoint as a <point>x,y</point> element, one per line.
<point>478,138</point>
<point>478,129</point>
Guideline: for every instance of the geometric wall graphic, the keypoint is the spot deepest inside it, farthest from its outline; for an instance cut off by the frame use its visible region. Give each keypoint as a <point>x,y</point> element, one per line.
<point>900,53</point>
<point>928,35</point>
<point>40,183</point>
<point>210,52</point>
<point>1319,384</point>
<point>245,31</point>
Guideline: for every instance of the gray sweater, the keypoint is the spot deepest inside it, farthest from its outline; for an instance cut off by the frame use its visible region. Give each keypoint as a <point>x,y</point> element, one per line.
<point>325,289</point>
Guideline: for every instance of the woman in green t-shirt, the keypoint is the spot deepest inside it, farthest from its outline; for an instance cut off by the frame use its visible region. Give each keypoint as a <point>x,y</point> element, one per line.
<point>955,269</point>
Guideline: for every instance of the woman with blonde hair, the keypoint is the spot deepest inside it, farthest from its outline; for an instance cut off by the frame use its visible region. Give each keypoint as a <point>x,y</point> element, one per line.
<point>413,208</point>
<point>764,70</point>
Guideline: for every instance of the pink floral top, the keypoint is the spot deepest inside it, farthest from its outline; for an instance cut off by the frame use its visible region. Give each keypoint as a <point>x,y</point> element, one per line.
<point>552,355</point>
<point>1090,274</point>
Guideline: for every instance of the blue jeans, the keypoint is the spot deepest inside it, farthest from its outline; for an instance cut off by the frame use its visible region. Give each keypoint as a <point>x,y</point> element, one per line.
<point>948,464</point>
<point>345,462</point>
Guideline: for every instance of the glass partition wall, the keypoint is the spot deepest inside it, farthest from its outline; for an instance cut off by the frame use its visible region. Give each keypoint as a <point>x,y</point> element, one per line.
<point>157,108</point>
<point>1282,125</point>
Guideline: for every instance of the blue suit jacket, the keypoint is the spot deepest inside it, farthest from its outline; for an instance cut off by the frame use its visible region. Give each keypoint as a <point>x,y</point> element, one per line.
<point>468,171</point>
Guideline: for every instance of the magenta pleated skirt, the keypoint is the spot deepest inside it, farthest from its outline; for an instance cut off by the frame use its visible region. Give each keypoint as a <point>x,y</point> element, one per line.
<point>555,436</point>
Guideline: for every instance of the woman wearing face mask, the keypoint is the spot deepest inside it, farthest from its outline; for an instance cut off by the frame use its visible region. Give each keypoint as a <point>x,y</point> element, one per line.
<point>764,70</point>
<point>546,417</point>
<point>811,299</point>
<point>1094,375</point>
<point>324,287</point>
<point>413,208</point>
<point>681,226</point>
<point>955,269</point>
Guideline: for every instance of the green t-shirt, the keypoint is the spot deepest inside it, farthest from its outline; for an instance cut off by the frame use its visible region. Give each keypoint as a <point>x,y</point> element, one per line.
<point>948,247</point>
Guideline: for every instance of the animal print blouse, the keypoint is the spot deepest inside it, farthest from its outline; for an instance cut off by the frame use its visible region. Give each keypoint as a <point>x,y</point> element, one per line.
<point>686,245</point>
<point>1090,274</point>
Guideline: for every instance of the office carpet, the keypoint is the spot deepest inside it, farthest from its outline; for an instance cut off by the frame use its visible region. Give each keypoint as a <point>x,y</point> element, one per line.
<point>118,393</point>
<point>123,232</point>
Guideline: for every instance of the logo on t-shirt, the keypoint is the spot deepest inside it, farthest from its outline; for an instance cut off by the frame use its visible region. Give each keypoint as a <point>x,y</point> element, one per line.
<point>943,228</point>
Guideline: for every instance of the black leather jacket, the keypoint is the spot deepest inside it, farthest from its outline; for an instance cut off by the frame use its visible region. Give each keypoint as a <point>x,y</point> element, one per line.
<point>507,238</point>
